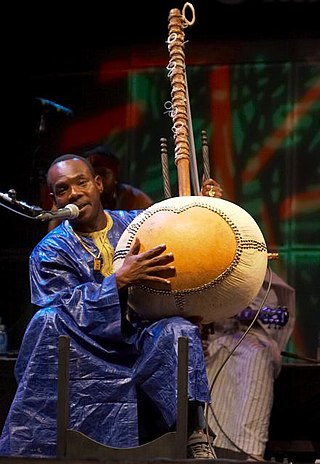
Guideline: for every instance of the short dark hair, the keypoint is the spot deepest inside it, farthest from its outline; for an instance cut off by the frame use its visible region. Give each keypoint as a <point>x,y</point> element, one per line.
<point>102,156</point>
<point>70,156</point>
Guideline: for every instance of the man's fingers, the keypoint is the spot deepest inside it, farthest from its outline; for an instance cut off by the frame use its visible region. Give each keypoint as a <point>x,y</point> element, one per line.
<point>134,250</point>
<point>162,271</point>
<point>155,255</point>
<point>162,259</point>
<point>157,279</point>
<point>155,251</point>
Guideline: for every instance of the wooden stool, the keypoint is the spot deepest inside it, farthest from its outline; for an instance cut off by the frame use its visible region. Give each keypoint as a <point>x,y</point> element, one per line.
<point>76,445</point>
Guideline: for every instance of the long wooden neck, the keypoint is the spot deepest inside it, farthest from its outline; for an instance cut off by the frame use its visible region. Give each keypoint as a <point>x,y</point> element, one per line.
<point>179,100</point>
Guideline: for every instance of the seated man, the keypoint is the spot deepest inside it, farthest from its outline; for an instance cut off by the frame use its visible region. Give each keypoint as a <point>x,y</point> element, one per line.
<point>116,195</point>
<point>242,390</point>
<point>114,362</point>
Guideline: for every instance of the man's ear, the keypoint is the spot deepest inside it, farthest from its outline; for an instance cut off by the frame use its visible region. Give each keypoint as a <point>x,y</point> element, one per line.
<point>53,198</point>
<point>98,181</point>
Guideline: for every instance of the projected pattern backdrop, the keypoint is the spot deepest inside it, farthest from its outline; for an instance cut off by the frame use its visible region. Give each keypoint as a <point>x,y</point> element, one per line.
<point>262,119</point>
<point>262,122</point>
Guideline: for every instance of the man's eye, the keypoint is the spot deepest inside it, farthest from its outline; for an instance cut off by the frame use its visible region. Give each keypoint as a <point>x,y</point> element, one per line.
<point>60,190</point>
<point>82,182</point>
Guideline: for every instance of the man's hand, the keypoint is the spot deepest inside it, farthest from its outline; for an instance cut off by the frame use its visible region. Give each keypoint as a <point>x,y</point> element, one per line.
<point>211,188</point>
<point>149,266</point>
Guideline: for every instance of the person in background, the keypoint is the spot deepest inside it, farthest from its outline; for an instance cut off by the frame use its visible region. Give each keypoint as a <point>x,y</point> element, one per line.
<point>116,195</point>
<point>242,388</point>
<point>118,367</point>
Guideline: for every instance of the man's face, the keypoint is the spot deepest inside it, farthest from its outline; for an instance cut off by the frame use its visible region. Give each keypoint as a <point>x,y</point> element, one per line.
<point>71,181</point>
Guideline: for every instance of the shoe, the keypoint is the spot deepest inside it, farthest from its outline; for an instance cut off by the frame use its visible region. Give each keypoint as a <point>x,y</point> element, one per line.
<point>198,447</point>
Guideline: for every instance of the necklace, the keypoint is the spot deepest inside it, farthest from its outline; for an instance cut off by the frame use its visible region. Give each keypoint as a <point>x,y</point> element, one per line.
<point>103,261</point>
<point>97,259</point>
<point>99,238</point>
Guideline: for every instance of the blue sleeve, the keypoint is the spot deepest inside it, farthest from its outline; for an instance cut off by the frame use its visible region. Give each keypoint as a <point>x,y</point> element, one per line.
<point>61,275</point>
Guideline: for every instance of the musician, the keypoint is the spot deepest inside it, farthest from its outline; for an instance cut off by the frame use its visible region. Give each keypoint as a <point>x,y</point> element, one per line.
<point>115,363</point>
<point>242,390</point>
<point>116,195</point>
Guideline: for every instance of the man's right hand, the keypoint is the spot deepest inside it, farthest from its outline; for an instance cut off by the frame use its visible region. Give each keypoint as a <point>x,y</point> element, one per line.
<point>149,266</point>
<point>211,188</point>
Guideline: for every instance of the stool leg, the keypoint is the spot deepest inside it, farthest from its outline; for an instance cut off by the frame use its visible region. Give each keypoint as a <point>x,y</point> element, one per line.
<point>63,395</point>
<point>182,401</point>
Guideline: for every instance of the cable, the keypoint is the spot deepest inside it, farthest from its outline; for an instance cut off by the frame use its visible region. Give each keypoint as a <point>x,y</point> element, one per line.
<point>301,358</point>
<point>21,213</point>
<point>208,405</point>
<point>19,207</point>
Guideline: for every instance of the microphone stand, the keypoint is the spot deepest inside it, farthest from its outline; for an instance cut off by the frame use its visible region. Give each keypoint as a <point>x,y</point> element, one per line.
<point>71,211</point>
<point>19,207</point>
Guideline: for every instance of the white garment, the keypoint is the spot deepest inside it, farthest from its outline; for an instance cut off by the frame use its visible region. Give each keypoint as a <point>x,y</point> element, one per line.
<point>242,392</point>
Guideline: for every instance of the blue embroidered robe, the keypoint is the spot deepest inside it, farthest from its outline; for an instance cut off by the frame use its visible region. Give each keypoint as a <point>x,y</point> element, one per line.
<point>107,362</point>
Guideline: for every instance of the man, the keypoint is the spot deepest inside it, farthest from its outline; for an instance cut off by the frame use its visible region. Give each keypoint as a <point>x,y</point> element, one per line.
<point>116,194</point>
<point>242,384</point>
<point>114,363</point>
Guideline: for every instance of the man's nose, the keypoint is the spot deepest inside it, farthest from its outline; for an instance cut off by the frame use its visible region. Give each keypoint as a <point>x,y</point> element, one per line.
<point>75,191</point>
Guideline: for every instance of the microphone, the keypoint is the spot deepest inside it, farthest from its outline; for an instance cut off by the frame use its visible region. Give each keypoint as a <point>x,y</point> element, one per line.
<point>70,211</point>
<point>59,108</point>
